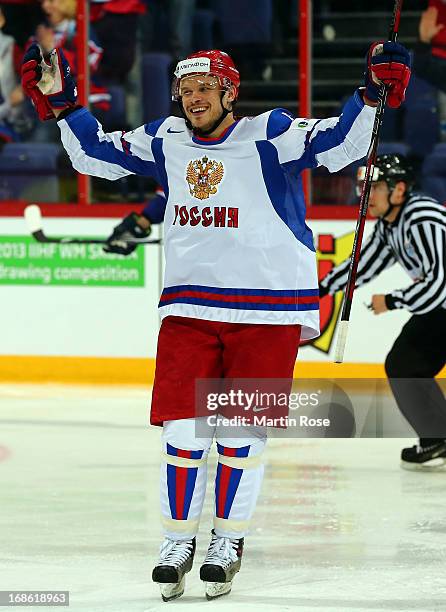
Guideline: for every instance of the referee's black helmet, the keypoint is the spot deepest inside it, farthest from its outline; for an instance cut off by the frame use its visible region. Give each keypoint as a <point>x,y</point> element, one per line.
<point>391,168</point>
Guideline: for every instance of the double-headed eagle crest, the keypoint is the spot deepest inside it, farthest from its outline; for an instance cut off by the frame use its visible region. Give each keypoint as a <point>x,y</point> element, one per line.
<point>203,176</point>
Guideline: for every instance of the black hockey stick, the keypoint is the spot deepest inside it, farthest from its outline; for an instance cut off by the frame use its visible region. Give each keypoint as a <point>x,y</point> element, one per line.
<point>33,218</point>
<point>364,201</point>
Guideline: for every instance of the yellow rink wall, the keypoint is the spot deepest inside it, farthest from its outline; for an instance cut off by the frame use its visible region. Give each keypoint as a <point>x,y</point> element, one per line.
<point>136,371</point>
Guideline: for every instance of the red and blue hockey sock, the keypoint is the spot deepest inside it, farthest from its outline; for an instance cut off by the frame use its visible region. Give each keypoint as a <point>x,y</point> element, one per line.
<point>237,486</point>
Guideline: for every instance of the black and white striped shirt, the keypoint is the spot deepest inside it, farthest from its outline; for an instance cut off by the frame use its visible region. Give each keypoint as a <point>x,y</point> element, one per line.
<point>417,241</point>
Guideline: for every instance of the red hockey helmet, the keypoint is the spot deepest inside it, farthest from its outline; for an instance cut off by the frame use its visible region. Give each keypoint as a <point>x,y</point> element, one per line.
<point>215,63</point>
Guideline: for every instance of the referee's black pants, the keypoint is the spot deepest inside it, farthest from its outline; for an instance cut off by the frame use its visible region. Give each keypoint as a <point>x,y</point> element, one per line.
<point>418,354</point>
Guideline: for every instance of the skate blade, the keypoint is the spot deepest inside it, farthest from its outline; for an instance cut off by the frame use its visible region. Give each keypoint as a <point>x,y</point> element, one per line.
<point>433,465</point>
<point>217,589</point>
<point>172,590</point>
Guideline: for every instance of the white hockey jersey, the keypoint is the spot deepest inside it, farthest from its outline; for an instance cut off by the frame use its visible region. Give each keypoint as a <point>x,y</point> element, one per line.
<point>236,244</point>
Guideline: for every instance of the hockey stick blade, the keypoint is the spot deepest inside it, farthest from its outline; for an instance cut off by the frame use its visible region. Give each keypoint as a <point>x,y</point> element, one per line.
<point>33,219</point>
<point>342,339</point>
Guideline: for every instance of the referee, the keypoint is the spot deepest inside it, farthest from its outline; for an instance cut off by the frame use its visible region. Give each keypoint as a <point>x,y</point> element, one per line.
<point>411,230</point>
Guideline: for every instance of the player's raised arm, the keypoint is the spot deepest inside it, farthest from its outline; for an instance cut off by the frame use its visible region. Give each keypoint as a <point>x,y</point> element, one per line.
<point>52,90</point>
<point>337,141</point>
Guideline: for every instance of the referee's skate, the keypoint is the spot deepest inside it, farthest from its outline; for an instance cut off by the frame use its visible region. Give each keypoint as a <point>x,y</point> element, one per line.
<point>428,457</point>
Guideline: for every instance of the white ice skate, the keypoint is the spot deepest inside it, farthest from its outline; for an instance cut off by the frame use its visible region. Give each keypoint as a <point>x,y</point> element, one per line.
<point>176,558</point>
<point>222,562</point>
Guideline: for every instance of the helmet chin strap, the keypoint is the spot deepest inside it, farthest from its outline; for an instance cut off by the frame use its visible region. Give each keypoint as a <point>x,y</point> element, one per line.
<point>214,126</point>
<point>391,206</point>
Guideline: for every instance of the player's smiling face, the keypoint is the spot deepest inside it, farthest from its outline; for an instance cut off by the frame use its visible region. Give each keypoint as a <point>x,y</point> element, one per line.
<point>201,98</point>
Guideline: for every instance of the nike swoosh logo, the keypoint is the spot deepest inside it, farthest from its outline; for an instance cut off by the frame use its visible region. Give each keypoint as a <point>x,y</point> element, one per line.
<point>171,131</point>
<point>257,409</point>
<point>437,454</point>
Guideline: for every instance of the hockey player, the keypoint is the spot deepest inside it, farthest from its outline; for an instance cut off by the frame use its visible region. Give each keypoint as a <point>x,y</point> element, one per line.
<point>411,231</point>
<point>240,281</point>
<point>134,225</point>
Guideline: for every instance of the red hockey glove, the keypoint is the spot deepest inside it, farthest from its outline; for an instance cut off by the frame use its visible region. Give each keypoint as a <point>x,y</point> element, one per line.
<point>49,84</point>
<point>31,76</point>
<point>387,63</point>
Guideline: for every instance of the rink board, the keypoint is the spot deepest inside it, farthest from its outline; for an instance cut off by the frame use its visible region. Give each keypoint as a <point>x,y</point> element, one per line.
<point>90,324</point>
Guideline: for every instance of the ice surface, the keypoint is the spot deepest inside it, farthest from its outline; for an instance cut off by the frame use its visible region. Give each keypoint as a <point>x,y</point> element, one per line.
<point>339,526</point>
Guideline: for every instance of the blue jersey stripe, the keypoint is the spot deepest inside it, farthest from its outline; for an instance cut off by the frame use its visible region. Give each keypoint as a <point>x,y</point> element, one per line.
<point>238,291</point>
<point>279,122</point>
<point>326,139</point>
<point>158,154</point>
<point>151,129</point>
<point>155,209</point>
<point>334,136</point>
<point>215,141</point>
<point>86,131</point>
<point>285,192</point>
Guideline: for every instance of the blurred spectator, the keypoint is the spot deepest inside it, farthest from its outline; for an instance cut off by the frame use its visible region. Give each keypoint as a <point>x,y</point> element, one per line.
<point>246,31</point>
<point>430,55</point>
<point>60,31</point>
<point>439,39</point>
<point>181,14</point>
<point>361,5</point>
<point>116,24</point>
<point>285,20</point>
<point>15,115</point>
<point>168,27</point>
<point>21,19</point>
